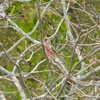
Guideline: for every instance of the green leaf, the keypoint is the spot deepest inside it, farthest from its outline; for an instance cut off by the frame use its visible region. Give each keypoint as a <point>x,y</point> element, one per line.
<point>10,68</point>
<point>8,89</point>
<point>12,9</point>
<point>63,26</point>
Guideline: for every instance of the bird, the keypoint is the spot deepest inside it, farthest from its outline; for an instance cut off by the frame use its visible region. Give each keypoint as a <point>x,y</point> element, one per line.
<point>52,55</point>
<point>49,50</point>
<point>56,60</point>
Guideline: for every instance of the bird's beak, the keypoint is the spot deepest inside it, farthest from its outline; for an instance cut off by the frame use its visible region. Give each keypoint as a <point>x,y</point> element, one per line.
<point>50,38</point>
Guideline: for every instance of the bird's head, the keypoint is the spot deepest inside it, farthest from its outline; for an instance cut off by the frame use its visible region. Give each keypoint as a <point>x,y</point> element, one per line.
<point>46,40</point>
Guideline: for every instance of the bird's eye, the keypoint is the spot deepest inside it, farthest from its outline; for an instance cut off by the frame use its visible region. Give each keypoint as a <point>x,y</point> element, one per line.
<point>46,39</point>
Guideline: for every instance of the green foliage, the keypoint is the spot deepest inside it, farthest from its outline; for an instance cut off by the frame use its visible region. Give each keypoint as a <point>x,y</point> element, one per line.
<point>8,89</point>
<point>12,9</point>
<point>46,0</point>
<point>83,18</point>
<point>10,68</point>
<point>63,26</point>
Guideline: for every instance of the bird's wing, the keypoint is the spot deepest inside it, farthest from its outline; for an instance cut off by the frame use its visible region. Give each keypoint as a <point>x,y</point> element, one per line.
<point>53,49</point>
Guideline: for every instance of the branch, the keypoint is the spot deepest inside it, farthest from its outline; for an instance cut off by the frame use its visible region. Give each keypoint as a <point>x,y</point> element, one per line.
<point>90,73</point>
<point>2,97</point>
<point>30,33</point>
<point>15,81</point>
<point>65,10</point>
<point>19,70</point>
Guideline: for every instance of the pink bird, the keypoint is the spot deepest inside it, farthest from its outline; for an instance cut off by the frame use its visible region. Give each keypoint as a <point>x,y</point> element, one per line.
<point>52,55</point>
<point>50,52</point>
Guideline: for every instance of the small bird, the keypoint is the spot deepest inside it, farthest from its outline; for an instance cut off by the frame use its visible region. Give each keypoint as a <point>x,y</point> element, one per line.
<point>52,55</point>
<point>49,50</point>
